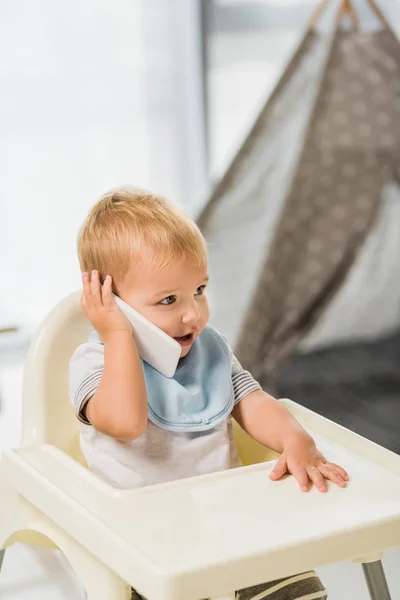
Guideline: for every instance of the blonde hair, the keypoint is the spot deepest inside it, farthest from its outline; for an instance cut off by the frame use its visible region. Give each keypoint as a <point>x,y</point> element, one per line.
<point>129,224</point>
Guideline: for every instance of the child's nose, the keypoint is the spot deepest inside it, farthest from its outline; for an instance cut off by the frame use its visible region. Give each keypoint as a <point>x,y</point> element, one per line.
<point>191,317</point>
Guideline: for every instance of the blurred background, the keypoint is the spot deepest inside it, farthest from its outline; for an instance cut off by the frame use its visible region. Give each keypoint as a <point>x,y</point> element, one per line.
<point>104,93</point>
<point>162,95</point>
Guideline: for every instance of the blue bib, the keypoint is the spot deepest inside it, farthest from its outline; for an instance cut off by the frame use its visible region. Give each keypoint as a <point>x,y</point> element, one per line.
<point>200,394</point>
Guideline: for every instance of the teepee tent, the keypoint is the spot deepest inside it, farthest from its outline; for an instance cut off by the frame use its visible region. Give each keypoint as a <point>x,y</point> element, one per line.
<point>302,227</point>
<point>294,212</point>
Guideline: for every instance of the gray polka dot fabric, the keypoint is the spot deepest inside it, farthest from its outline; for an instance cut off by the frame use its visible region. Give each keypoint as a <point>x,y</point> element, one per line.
<point>289,218</point>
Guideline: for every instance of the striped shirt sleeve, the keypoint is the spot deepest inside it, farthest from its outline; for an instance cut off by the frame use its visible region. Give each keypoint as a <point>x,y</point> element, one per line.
<point>85,371</point>
<point>243,382</point>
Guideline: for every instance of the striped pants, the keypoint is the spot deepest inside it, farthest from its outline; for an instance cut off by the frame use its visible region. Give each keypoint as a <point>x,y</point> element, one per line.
<point>306,586</point>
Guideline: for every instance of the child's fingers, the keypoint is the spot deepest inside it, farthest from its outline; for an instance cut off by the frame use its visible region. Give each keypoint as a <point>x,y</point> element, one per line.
<point>95,289</point>
<point>339,470</point>
<point>84,304</point>
<point>317,478</point>
<point>329,472</point>
<point>301,477</point>
<point>108,298</point>
<point>86,285</point>
<point>280,468</point>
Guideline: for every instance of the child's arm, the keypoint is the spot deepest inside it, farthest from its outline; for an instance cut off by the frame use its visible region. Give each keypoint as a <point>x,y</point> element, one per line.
<point>119,406</point>
<point>273,426</point>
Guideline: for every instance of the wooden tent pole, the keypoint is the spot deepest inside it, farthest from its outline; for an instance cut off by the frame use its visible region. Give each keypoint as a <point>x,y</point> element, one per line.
<point>348,9</point>
<point>375,8</point>
<point>317,14</point>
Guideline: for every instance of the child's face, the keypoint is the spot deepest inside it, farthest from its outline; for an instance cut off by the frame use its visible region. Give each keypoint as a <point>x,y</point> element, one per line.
<point>173,298</point>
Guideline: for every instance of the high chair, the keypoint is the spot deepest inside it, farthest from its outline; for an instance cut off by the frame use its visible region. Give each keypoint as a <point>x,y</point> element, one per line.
<point>195,538</point>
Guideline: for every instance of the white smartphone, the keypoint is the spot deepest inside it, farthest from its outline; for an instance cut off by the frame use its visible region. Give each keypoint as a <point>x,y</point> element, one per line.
<point>157,348</point>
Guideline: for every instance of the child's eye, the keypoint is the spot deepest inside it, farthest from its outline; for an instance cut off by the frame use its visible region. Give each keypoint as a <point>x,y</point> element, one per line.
<point>200,290</point>
<point>168,300</point>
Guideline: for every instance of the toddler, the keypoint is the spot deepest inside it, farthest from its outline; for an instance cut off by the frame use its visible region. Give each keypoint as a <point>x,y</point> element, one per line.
<point>140,428</point>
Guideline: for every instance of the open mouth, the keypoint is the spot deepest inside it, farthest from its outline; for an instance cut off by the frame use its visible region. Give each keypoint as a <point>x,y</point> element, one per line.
<point>185,340</point>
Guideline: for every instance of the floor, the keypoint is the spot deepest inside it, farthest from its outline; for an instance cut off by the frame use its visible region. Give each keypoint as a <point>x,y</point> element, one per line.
<point>30,573</point>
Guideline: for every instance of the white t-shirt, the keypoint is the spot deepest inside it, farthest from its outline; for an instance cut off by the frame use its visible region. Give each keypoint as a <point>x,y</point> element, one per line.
<point>158,455</point>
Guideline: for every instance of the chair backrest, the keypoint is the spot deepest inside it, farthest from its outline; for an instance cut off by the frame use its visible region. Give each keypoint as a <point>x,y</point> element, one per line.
<point>47,415</point>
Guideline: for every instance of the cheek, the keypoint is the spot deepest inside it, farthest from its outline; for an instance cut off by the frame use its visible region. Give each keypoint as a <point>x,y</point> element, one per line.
<point>205,312</point>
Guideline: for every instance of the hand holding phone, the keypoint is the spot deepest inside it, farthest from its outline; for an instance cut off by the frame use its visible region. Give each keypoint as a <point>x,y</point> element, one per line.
<point>108,313</point>
<point>99,306</point>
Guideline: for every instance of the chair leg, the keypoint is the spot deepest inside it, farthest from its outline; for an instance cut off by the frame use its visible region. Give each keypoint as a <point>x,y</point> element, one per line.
<point>2,553</point>
<point>99,581</point>
<point>376,580</point>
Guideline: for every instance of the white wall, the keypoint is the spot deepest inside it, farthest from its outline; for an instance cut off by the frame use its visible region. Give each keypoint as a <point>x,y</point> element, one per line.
<point>97,94</point>
<point>84,106</point>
